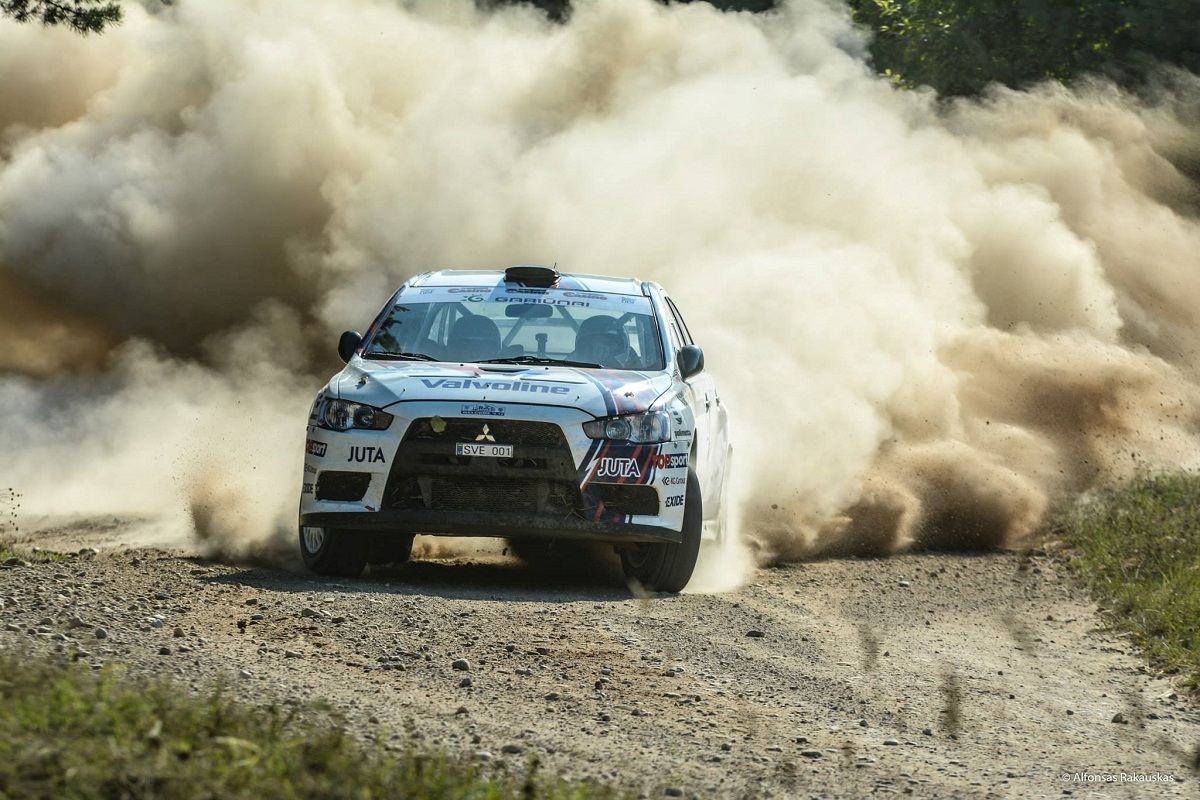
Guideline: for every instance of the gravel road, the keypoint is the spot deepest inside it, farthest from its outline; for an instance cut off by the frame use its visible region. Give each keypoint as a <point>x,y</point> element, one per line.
<point>933,675</point>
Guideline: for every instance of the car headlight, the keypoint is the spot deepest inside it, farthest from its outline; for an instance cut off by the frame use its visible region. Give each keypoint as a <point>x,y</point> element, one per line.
<point>342,415</point>
<point>640,428</point>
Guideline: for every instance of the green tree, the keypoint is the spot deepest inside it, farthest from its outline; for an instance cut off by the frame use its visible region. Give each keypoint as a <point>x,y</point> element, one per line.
<point>960,46</point>
<point>1166,30</point>
<point>84,16</point>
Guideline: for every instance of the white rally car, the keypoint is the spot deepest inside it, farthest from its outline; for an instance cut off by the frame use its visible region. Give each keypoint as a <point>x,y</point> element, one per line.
<point>520,404</point>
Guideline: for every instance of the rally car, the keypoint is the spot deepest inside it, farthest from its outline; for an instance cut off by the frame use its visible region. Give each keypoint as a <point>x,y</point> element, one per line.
<point>524,404</point>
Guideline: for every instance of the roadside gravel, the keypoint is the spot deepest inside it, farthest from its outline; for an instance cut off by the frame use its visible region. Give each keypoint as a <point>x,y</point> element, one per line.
<point>934,675</point>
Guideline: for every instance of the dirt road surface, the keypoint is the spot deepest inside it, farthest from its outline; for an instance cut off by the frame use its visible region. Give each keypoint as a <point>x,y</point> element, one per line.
<point>932,675</point>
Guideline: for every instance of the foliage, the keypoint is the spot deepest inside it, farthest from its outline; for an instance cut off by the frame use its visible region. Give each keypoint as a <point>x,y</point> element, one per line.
<point>559,10</point>
<point>1138,546</point>
<point>68,732</point>
<point>960,46</point>
<point>84,16</point>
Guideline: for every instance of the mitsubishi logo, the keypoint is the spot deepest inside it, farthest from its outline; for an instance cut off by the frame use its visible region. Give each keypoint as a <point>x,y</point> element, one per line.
<point>485,436</point>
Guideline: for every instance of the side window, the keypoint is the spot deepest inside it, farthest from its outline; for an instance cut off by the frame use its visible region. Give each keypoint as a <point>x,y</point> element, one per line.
<point>673,333</point>
<point>681,327</point>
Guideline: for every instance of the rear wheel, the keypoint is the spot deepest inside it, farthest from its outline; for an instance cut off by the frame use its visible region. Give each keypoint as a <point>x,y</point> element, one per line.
<point>539,553</point>
<point>663,566</point>
<point>389,548</point>
<point>722,523</point>
<point>569,560</point>
<point>333,551</point>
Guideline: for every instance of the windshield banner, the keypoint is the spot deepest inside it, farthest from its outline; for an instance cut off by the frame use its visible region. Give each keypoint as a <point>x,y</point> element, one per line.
<point>504,293</point>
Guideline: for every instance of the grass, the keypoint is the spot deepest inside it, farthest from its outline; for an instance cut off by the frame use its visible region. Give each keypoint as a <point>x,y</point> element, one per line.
<point>31,554</point>
<point>1138,547</point>
<point>67,732</point>
<point>10,501</point>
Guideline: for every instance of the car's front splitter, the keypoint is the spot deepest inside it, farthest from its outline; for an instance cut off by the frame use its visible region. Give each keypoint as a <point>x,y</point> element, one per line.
<point>481,524</point>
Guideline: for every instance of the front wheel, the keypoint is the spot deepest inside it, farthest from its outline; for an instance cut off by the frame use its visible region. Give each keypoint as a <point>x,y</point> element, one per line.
<point>663,566</point>
<point>333,551</point>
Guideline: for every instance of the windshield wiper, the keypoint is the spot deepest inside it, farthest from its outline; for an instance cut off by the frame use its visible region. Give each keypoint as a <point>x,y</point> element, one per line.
<point>388,354</point>
<point>540,360</point>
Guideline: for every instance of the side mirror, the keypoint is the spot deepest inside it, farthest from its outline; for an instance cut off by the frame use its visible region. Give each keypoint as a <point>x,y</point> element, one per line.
<point>691,360</point>
<point>348,344</point>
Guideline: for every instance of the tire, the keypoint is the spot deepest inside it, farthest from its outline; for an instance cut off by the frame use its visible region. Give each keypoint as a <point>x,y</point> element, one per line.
<point>333,551</point>
<point>666,567</point>
<point>389,548</point>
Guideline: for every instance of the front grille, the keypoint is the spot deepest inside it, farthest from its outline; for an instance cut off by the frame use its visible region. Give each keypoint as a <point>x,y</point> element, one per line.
<point>344,486</point>
<point>540,478</point>
<point>495,495</point>
<point>620,498</point>
<point>515,432</point>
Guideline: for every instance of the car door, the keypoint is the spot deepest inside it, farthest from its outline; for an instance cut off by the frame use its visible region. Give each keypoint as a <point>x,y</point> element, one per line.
<point>705,405</point>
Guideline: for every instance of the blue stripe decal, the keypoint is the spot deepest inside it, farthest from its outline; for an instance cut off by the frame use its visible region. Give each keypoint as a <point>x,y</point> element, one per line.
<point>610,402</point>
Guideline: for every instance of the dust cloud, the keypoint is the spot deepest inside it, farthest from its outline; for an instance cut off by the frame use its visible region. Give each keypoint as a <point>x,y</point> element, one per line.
<point>931,322</point>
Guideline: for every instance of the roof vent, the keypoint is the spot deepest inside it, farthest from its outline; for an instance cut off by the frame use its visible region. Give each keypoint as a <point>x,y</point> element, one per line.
<point>531,275</point>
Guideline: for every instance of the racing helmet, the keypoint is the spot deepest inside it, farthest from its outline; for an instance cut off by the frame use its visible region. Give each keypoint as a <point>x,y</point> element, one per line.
<point>602,340</point>
<point>473,338</point>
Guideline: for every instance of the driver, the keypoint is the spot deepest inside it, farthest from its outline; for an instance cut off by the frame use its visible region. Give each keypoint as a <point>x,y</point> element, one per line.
<point>602,340</point>
<point>473,338</point>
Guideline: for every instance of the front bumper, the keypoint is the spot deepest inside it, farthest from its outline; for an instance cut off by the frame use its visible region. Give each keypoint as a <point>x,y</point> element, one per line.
<point>558,483</point>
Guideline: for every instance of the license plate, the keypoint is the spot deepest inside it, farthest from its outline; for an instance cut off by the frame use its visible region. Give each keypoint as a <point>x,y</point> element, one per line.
<point>485,450</point>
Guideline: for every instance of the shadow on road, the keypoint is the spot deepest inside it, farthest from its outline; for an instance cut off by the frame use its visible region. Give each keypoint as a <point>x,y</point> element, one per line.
<point>576,575</point>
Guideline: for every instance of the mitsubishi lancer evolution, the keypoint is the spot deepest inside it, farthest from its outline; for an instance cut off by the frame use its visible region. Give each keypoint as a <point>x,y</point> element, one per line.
<point>524,404</point>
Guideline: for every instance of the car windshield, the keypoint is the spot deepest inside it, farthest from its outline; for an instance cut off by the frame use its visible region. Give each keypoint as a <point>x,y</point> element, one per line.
<point>519,324</point>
